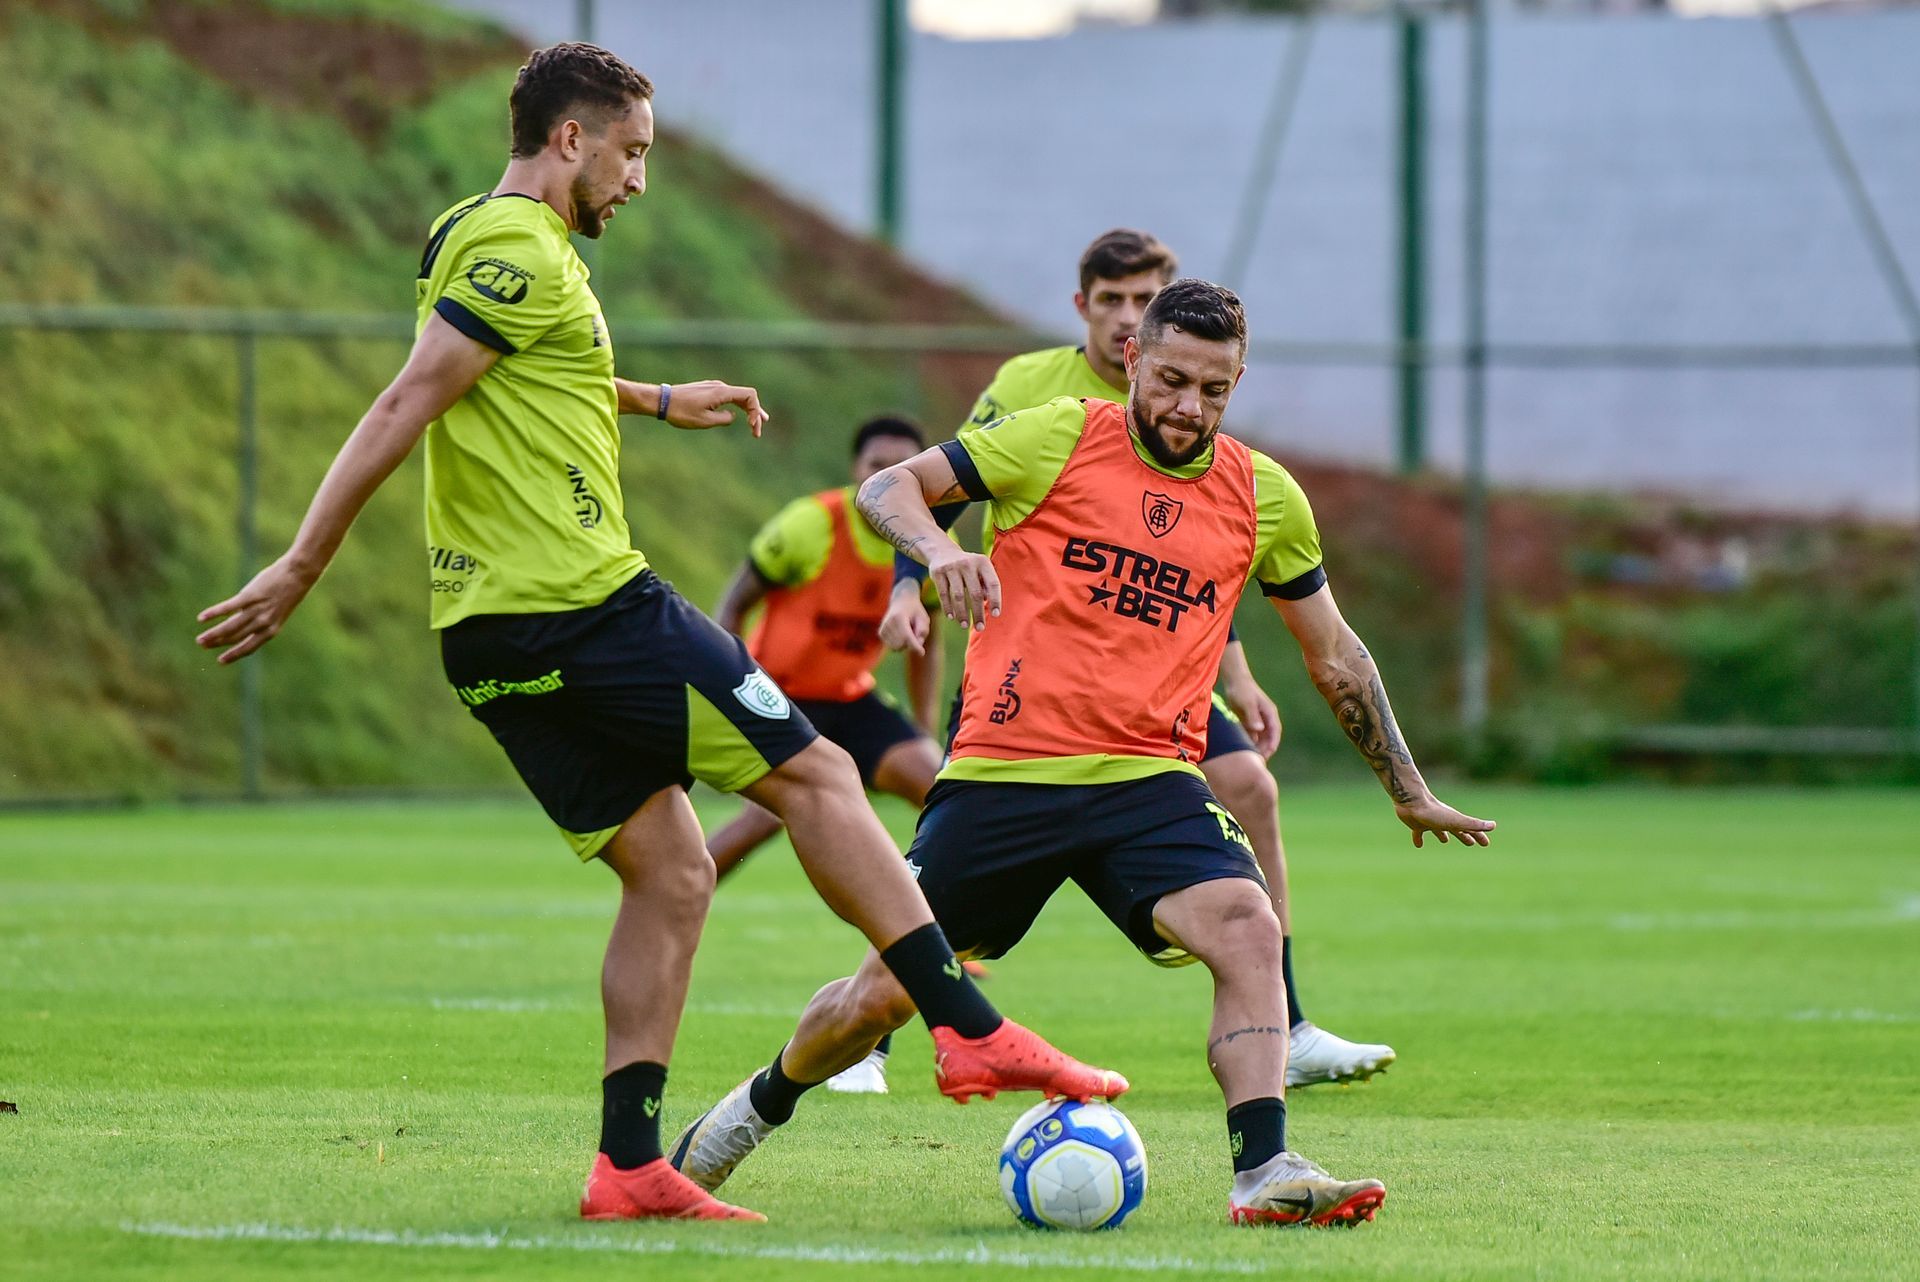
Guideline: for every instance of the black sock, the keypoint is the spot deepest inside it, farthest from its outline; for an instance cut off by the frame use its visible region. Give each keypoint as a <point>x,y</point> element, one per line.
<point>1256,1130</point>
<point>923,962</point>
<point>886,1045</point>
<point>774,1093</point>
<point>630,1113</point>
<point>1294,1017</point>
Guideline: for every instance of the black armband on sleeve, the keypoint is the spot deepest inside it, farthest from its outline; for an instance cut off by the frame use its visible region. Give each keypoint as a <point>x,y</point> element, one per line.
<point>965,472</point>
<point>472,324</point>
<point>1233,633</point>
<point>1297,589</point>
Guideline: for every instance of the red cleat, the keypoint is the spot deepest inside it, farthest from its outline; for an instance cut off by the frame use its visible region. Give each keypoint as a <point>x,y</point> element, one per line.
<point>1012,1058</point>
<point>652,1192</point>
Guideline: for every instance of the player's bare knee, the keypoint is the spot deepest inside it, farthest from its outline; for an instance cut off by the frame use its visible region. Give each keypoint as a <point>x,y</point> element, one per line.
<point>1229,922</point>
<point>821,770</point>
<point>1245,786</point>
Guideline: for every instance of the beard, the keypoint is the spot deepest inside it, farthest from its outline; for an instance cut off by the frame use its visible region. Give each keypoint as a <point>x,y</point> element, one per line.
<point>1156,444</point>
<point>588,219</point>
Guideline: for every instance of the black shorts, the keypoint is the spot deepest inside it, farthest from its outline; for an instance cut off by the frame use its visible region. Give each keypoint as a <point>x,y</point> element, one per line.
<point>989,855</point>
<point>868,728</point>
<point>600,708</point>
<point>1224,731</point>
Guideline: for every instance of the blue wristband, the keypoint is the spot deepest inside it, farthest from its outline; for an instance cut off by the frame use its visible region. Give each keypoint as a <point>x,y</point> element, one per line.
<point>666,399</point>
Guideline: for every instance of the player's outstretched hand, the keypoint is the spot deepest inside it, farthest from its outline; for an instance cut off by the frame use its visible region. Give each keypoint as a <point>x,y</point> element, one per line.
<point>1259,715</point>
<point>1434,816</point>
<point>254,615</point>
<point>709,403</point>
<point>969,586</point>
<point>905,624</point>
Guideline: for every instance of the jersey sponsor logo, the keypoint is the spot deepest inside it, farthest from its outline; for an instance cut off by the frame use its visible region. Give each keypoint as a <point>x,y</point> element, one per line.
<point>489,690</point>
<point>989,413</point>
<point>1136,585</point>
<point>759,695</point>
<point>502,281</point>
<point>1160,511</point>
<point>446,561</point>
<point>1230,829</point>
<point>586,508</point>
<point>845,633</point>
<point>1006,703</point>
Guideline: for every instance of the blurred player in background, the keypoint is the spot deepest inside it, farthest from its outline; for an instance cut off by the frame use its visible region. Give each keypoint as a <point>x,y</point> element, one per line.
<point>824,577</point>
<point>1125,535</point>
<point>607,690</point>
<point>1119,274</point>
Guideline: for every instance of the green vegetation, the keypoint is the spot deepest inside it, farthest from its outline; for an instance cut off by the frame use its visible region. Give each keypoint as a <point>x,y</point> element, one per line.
<point>288,154</point>
<point>146,179</point>
<point>1646,1034</point>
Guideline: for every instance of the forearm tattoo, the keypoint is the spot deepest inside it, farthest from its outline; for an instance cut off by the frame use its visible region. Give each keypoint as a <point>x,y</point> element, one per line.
<point>1363,712</point>
<point>884,523</point>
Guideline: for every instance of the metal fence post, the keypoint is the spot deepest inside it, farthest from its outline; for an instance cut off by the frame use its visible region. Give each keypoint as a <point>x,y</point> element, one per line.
<point>1410,175</point>
<point>1474,663</point>
<point>247,466</point>
<point>889,110</point>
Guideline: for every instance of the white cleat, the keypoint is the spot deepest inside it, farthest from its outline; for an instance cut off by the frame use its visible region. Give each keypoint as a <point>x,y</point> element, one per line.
<point>1315,1055</point>
<point>1291,1190</point>
<point>868,1077</point>
<point>720,1139</point>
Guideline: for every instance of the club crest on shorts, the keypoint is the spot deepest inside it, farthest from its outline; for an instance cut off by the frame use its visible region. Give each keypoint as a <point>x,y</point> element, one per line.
<point>1160,511</point>
<point>759,695</point>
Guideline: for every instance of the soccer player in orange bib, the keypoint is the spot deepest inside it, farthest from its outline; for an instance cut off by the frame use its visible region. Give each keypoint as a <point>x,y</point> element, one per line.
<point>1119,274</point>
<point>1124,536</point>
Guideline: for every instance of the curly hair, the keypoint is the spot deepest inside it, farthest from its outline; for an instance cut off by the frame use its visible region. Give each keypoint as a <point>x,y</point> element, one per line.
<point>567,78</point>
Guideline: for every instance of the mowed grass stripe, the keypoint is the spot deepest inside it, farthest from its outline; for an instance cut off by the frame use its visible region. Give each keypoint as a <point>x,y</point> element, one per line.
<point>1647,1034</point>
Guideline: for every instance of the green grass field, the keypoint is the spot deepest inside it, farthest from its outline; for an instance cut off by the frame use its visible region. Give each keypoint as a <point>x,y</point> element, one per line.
<point>1647,1035</point>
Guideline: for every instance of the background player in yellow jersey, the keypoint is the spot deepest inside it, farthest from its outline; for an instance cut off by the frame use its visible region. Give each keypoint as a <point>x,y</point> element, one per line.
<point>609,693</point>
<point>1120,272</point>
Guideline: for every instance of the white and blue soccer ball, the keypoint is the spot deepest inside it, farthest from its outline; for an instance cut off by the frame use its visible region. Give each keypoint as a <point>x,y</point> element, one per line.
<point>1073,1166</point>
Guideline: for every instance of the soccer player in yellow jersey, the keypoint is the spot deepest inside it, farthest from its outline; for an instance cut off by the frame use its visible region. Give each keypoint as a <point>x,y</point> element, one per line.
<point>608,692</point>
<point>1120,273</point>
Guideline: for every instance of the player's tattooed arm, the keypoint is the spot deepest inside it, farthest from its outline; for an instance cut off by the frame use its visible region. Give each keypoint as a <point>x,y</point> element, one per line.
<point>1349,680</point>
<point>898,503</point>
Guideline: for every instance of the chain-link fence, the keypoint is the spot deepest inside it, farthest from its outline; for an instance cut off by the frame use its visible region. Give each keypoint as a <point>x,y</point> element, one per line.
<point>1522,631</point>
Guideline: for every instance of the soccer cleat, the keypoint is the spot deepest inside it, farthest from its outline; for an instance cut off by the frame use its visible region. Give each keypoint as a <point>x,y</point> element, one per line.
<point>1315,1055</point>
<point>652,1192</point>
<point>868,1077</point>
<point>1291,1190</point>
<point>720,1139</point>
<point>1012,1058</point>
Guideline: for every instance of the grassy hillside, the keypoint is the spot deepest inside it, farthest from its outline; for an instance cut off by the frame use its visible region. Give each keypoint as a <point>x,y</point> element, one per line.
<point>180,154</point>
<point>289,154</point>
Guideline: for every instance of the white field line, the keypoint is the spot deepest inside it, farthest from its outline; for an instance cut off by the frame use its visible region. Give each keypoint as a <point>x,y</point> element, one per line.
<point>980,1254</point>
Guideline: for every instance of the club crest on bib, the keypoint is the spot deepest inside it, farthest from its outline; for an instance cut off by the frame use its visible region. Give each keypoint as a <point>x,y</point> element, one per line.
<point>1160,511</point>
<point>759,695</point>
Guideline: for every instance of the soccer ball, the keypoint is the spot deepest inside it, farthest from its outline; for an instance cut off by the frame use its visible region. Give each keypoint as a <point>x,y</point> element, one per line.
<point>1073,1166</point>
